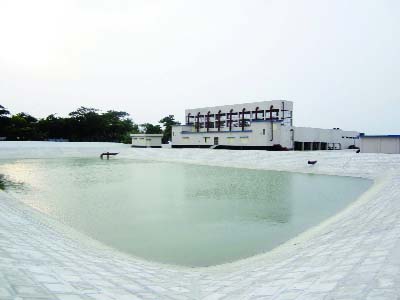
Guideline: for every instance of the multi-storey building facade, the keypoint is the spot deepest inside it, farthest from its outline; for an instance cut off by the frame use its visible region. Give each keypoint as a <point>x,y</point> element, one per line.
<point>266,125</point>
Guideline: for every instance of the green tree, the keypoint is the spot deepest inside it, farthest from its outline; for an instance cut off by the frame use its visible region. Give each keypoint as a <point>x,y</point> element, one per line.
<point>112,126</point>
<point>23,127</point>
<point>168,122</point>
<point>4,121</point>
<point>87,125</point>
<point>53,127</point>
<point>84,124</point>
<point>3,111</point>
<point>151,129</point>
<point>118,126</point>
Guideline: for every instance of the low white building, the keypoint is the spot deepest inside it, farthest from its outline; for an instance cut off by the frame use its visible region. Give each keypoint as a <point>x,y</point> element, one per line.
<point>389,144</point>
<point>307,138</point>
<point>266,125</point>
<point>146,140</point>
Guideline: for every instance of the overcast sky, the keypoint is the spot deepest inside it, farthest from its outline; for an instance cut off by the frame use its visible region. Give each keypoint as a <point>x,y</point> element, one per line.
<point>338,61</point>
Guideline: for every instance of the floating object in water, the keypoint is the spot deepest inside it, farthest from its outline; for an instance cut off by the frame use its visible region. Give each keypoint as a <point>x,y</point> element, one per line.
<point>312,162</point>
<point>108,154</point>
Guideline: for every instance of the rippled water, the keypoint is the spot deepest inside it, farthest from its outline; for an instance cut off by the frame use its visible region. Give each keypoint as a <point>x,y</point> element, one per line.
<point>179,213</point>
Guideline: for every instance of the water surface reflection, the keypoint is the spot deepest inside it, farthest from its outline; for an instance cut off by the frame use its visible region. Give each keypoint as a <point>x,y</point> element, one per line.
<point>180,213</point>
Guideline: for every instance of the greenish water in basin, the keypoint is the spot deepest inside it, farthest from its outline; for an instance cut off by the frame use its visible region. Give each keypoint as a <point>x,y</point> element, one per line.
<point>179,213</point>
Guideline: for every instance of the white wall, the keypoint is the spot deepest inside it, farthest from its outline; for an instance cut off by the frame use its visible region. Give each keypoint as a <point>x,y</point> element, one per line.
<point>237,108</point>
<point>258,134</point>
<point>146,140</point>
<point>345,138</point>
<point>383,144</point>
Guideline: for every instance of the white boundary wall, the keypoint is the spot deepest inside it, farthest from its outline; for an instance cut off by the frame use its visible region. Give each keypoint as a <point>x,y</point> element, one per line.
<point>380,144</point>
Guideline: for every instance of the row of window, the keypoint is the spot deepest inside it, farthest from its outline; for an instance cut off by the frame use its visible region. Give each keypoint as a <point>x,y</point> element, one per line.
<point>237,115</point>
<point>147,139</point>
<point>312,146</point>
<point>350,137</point>
<point>222,124</point>
<point>228,137</point>
<point>207,139</point>
<point>259,113</point>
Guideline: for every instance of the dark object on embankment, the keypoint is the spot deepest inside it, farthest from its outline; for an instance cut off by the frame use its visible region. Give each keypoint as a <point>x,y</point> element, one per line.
<point>312,162</point>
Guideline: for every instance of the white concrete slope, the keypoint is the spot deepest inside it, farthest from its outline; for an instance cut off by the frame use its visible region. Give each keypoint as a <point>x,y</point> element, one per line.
<point>353,255</point>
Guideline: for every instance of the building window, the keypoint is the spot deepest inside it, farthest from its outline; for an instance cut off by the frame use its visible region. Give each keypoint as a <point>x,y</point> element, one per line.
<point>264,131</point>
<point>206,139</point>
<point>230,139</point>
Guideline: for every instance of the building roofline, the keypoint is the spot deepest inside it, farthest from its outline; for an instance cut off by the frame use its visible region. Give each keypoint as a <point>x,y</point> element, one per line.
<point>246,103</point>
<point>381,135</point>
<point>145,134</point>
<point>217,132</point>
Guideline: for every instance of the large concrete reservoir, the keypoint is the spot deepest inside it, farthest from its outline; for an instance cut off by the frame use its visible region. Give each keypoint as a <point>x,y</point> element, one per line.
<point>351,255</point>
<point>179,213</point>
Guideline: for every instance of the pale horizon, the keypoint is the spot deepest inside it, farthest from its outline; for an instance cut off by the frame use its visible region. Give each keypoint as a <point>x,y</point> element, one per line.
<point>337,61</point>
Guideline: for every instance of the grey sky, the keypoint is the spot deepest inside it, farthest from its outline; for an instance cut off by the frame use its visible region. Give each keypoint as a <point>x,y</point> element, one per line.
<point>337,60</point>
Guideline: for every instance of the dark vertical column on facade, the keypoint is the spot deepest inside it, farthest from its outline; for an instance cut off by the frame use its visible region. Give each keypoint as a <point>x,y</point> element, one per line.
<point>198,122</point>
<point>188,118</point>
<point>256,113</point>
<point>283,110</point>
<point>208,121</point>
<point>219,120</point>
<point>272,122</point>
<point>230,119</point>
<point>243,110</point>
<point>292,136</point>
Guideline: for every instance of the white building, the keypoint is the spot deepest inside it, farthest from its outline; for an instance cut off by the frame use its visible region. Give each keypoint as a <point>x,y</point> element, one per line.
<point>380,144</point>
<point>146,140</point>
<point>266,125</point>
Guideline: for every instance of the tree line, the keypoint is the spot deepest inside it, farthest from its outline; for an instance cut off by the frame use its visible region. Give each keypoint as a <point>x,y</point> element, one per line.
<point>82,125</point>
